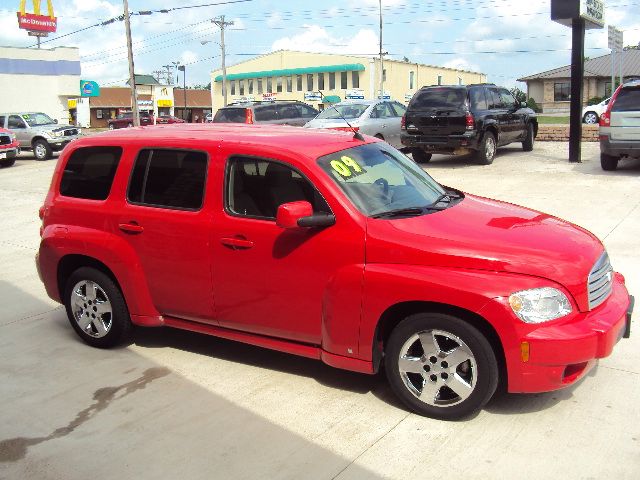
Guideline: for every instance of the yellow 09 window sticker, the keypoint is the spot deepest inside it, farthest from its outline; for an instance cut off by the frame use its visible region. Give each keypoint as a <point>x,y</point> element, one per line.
<point>347,167</point>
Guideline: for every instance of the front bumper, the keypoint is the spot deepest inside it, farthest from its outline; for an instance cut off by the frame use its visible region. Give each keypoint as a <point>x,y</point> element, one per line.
<point>619,148</point>
<point>9,153</point>
<point>59,143</point>
<point>442,144</point>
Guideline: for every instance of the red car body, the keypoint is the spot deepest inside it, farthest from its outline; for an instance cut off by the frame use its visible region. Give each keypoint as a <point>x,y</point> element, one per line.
<point>125,120</point>
<point>9,147</point>
<point>162,119</point>
<point>331,294</point>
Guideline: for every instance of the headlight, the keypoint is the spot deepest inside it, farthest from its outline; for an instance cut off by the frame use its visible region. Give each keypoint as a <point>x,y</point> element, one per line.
<point>540,304</point>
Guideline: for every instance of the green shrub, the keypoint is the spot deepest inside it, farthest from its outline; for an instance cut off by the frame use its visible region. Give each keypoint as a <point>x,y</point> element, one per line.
<point>594,100</point>
<point>531,103</point>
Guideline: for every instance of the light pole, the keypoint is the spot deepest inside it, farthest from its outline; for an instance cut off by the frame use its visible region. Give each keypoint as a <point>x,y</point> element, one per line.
<point>183,69</point>
<point>222,24</point>
<point>132,77</point>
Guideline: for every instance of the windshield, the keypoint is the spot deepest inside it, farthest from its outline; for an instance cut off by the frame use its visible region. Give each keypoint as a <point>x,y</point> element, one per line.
<point>378,179</point>
<point>347,110</point>
<point>37,119</point>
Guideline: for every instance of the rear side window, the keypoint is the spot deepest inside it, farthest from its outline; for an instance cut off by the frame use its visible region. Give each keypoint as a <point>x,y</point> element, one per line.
<point>477,99</point>
<point>266,114</point>
<point>89,172</point>
<point>628,100</point>
<point>230,115</point>
<point>439,98</point>
<point>169,179</point>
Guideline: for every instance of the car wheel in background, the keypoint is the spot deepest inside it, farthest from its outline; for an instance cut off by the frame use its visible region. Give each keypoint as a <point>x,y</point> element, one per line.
<point>440,366</point>
<point>129,125</point>
<point>7,163</point>
<point>608,162</point>
<point>111,127</point>
<point>41,150</point>
<point>487,149</point>
<point>591,118</point>
<point>527,145</point>
<point>420,156</point>
<point>96,308</point>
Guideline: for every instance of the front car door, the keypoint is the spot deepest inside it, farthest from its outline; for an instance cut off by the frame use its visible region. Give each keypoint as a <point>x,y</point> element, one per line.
<point>516,117</point>
<point>276,282</point>
<point>18,126</point>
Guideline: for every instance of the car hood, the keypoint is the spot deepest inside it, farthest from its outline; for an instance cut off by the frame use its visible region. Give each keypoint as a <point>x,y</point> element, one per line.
<point>53,127</point>
<point>483,234</point>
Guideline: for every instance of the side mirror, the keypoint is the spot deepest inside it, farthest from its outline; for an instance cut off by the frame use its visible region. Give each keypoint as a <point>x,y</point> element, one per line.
<point>300,214</point>
<point>55,120</point>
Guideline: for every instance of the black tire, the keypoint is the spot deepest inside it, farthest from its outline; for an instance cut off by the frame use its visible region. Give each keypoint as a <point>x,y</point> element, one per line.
<point>420,156</point>
<point>41,150</point>
<point>111,126</point>
<point>608,162</point>
<point>117,324</point>
<point>479,371</point>
<point>527,145</point>
<point>590,118</point>
<point>486,149</point>
<point>7,163</point>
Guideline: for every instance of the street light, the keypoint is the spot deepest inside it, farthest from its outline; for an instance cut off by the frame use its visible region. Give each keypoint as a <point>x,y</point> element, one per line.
<point>183,69</point>
<point>224,68</point>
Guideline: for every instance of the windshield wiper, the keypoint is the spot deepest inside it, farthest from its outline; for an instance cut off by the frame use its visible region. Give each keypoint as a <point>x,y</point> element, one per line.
<point>401,212</point>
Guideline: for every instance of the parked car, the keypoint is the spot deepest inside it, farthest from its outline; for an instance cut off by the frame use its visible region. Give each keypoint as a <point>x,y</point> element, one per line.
<point>591,113</point>
<point>39,132</point>
<point>461,119</point>
<point>9,148</point>
<point>208,118</point>
<point>372,117</point>
<point>168,119</point>
<point>322,245</point>
<point>125,120</point>
<point>620,126</point>
<point>280,112</point>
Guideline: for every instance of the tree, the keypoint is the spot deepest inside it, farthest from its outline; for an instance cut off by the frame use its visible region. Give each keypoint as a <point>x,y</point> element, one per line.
<point>518,94</point>
<point>405,59</point>
<point>199,86</point>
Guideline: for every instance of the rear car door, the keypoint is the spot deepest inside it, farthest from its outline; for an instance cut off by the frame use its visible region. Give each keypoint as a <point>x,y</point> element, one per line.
<point>380,121</point>
<point>516,116</point>
<point>625,115</point>
<point>166,221</point>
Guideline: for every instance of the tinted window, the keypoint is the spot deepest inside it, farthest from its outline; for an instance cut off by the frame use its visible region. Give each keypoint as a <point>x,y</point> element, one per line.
<point>477,99</point>
<point>230,115</point>
<point>2,119</point>
<point>89,172</point>
<point>493,98</point>
<point>562,92</point>
<point>382,110</point>
<point>398,108</point>
<point>507,99</point>
<point>256,188</point>
<point>307,111</point>
<point>439,98</point>
<point>628,100</point>
<point>266,114</point>
<point>16,122</point>
<point>169,178</point>
<point>288,111</point>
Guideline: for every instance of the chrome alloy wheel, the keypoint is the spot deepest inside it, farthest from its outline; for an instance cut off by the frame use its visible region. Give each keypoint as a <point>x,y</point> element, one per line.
<point>40,151</point>
<point>590,118</point>
<point>490,147</point>
<point>91,308</point>
<point>438,368</point>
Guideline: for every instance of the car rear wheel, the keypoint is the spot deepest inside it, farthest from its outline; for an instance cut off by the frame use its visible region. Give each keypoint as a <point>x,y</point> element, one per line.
<point>440,366</point>
<point>527,145</point>
<point>41,150</point>
<point>420,156</point>
<point>591,118</point>
<point>96,308</point>
<point>608,162</point>
<point>487,149</point>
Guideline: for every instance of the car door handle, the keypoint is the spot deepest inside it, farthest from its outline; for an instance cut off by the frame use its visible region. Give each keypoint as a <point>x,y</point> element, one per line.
<point>236,243</point>
<point>131,227</point>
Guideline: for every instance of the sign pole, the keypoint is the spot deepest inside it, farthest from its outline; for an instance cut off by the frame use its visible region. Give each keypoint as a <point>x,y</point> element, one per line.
<point>577,76</point>
<point>132,77</point>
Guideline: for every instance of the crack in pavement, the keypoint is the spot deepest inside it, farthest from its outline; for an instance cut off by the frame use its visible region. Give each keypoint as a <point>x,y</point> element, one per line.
<point>14,449</point>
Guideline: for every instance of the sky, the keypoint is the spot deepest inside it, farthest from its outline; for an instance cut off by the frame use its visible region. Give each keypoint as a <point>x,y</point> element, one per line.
<point>505,39</point>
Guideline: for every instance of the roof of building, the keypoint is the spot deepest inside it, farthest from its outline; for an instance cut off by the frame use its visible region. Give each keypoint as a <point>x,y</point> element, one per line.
<point>145,80</point>
<point>195,98</point>
<point>114,97</point>
<point>345,67</point>
<point>595,67</point>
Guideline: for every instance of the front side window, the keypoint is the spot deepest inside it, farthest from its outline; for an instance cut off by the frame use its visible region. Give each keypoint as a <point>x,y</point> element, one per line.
<point>257,187</point>
<point>89,172</point>
<point>507,99</point>
<point>168,179</point>
<point>378,179</point>
<point>562,92</point>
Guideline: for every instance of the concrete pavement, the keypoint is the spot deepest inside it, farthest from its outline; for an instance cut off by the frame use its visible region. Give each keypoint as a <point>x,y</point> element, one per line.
<point>177,404</point>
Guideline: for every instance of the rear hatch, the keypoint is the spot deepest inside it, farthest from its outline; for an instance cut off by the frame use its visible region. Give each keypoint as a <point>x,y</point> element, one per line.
<point>625,115</point>
<point>437,112</point>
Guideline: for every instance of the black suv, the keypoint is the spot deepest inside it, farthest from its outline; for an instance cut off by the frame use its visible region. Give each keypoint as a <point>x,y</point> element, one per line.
<point>459,119</point>
<point>279,112</point>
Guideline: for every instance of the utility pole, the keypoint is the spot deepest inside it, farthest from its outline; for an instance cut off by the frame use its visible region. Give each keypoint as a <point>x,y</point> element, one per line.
<point>157,74</point>
<point>169,74</point>
<point>183,69</point>
<point>132,77</point>
<point>222,24</point>
<point>381,58</point>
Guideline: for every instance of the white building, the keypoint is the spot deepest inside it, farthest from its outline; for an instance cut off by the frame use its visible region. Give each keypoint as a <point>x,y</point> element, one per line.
<point>40,80</point>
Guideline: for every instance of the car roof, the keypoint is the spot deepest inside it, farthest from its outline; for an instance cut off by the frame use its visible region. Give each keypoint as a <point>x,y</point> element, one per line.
<point>310,142</point>
<point>20,113</point>
<point>358,102</point>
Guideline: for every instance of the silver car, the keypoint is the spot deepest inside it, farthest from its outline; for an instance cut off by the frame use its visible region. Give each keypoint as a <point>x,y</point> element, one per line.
<point>38,132</point>
<point>620,126</point>
<point>378,118</point>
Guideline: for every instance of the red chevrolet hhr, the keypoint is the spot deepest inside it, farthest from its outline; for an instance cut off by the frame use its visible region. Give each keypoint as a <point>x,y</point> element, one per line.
<point>327,246</point>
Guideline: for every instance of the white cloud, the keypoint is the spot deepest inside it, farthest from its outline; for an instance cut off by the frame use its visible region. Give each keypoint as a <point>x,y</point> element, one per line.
<point>317,39</point>
<point>274,19</point>
<point>462,64</point>
<point>189,57</point>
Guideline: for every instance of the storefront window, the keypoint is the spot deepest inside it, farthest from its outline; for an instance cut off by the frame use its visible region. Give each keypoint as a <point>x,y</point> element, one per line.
<point>343,79</point>
<point>279,84</point>
<point>289,84</point>
<point>332,81</point>
<point>310,82</point>
<point>355,79</point>
<point>321,81</point>
<point>269,85</point>
<point>241,86</point>
<point>99,113</point>
<point>233,88</point>
<point>298,83</point>
<point>259,85</point>
<point>250,85</point>
<point>562,92</point>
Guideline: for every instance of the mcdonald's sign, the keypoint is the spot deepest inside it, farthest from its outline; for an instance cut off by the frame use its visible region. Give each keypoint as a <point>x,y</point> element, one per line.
<point>35,22</point>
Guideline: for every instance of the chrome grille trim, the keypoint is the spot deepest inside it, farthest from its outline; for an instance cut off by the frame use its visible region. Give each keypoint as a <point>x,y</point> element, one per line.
<point>5,139</point>
<point>599,282</point>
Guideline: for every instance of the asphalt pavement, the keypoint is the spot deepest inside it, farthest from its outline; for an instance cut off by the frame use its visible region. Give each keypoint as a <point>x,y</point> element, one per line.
<point>175,404</point>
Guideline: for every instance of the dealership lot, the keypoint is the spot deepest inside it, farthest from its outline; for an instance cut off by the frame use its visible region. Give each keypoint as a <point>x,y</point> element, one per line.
<point>175,403</point>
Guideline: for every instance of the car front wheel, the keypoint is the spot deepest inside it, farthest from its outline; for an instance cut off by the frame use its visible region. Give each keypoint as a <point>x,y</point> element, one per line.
<point>42,150</point>
<point>440,366</point>
<point>96,308</point>
<point>527,145</point>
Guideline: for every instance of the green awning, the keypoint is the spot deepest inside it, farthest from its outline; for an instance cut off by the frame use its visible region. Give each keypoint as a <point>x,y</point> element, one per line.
<point>331,99</point>
<point>347,67</point>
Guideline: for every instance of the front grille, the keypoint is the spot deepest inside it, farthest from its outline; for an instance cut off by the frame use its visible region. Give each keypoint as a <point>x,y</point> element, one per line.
<point>5,139</point>
<point>70,131</point>
<point>599,281</point>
